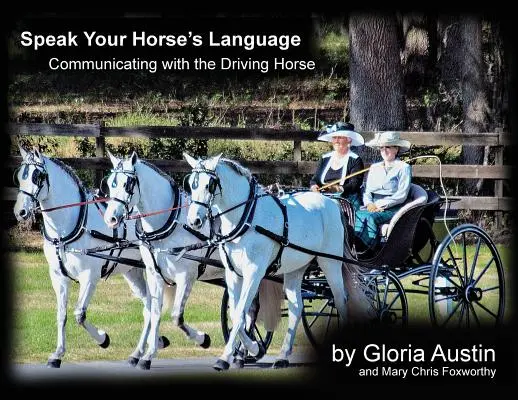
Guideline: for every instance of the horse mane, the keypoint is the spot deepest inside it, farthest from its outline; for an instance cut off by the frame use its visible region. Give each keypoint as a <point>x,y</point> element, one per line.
<point>70,172</point>
<point>238,168</point>
<point>158,171</point>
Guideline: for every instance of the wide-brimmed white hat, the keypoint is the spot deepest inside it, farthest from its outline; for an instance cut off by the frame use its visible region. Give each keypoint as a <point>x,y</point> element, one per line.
<point>389,138</point>
<point>341,129</point>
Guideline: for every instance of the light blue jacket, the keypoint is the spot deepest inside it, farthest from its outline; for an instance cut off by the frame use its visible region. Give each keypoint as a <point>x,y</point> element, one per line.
<point>387,189</point>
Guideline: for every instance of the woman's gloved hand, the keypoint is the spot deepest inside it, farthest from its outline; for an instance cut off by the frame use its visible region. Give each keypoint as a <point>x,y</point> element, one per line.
<point>335,189</point>
<point>371,207</point>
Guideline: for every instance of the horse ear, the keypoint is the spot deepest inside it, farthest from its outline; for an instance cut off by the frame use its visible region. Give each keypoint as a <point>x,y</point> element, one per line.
<point>133,158</point>
<point>37,152</point>
<point>211,163</point>
<point>23,152</point>
<point>113,159</point>
<point>190,160</point>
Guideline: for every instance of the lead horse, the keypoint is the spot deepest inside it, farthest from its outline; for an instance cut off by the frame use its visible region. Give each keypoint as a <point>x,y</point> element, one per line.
<point>250,218</point>
<point>70,226</point>
<point>136,184</point>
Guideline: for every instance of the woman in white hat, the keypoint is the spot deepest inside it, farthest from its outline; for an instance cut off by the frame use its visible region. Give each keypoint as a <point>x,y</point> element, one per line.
<point>386,189</point>
<point>339,163</point>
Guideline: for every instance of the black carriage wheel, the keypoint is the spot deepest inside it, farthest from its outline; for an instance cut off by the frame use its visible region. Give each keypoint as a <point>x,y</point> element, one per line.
<point>387,305</point>
<point>425,242</point>
<point>259,333</point>
<point>467,285</point>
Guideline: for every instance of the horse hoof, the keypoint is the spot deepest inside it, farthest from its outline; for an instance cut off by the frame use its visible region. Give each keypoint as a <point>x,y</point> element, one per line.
<point>132,361</point>
<point>144,364</point>
<point>280,364</point>
<point>239,363</point>
<point>206,342</point>
<point>164,342</point>
<point>54,363</point>
<point>221,365</point>
<point>250,360</point>
<point>106,342</point>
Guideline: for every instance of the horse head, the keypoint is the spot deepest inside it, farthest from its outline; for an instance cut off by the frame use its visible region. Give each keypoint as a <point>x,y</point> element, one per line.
<point>122,187</point>
<point>201,184</point>
<point>32,180</point>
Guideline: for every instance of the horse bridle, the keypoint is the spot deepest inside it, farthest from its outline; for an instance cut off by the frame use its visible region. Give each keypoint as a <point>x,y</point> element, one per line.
<point>214,183</point>
<point>129,186</point>
<point>38,178</point>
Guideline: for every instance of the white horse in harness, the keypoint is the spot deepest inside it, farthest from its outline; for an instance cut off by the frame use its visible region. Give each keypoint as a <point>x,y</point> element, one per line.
<point>259,231</point>
<point>72,225</point>
<point>137,184</point>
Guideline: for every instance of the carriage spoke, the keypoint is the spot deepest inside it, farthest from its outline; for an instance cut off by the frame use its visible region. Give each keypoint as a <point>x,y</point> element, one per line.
<point>464,257</point>
<point>474,314</point>
<point>461,313</point>
<point>453,259</point>
<point>317,314</point>
<point>453,312</point>
<point>475,258</point>
<point>446,298</point>
<point>491,288</point>
<point>392,303</point>
<point>484,270</point>
<point>486,309</point>
<point>449,280</point>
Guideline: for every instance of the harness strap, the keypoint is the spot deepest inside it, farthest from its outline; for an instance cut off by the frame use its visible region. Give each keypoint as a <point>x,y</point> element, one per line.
<point>76,233</point>
<point>155,265</point>
<point>246,218</point>
<point>229,262</point>
<point>287,243</point>
<point>62,265</point>
<point>169,225</point>
<point>78,229</point>
<point>193,232</point>
<point>276,263</point>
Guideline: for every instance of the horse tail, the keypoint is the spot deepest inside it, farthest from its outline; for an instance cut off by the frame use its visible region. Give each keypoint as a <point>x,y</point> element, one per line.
<point>168,299</point>
<point>271,296</point>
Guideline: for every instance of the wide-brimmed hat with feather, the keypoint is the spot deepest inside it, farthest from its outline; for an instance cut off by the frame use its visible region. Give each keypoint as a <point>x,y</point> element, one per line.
<point>341,129</point>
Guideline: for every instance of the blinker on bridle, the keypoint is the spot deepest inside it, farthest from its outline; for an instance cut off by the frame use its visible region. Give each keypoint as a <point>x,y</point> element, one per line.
<point>129,185</point>
<point>38,178</point>
<point>214,183</point>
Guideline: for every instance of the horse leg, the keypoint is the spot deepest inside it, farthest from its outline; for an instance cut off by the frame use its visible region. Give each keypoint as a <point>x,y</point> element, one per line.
<point>184,284</point>
<point>251,318</point>
<point>332,269</point>
<point>248,290</point>
<point>156,294</point>
<point>137,283</point>
<point>87,285</point>
<point>61,285</point>
<point>292,284</point>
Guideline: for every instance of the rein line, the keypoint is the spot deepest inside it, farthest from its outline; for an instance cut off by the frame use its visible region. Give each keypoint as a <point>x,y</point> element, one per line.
<point>81,203</point>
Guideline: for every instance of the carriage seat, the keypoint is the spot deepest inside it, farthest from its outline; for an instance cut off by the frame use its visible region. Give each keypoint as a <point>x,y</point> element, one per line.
<point>417,196</point>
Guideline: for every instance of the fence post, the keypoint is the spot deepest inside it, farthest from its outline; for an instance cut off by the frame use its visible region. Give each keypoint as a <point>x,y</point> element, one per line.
<point>100,147</point>
<point>499,184</point>
<point>297,150</point>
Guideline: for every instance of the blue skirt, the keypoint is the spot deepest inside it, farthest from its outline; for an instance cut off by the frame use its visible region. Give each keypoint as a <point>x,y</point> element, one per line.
<point>367,225</point>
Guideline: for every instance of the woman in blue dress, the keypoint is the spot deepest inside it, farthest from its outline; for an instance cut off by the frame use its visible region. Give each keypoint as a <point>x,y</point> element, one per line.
<point>386,189</point>
<point>339,163</point>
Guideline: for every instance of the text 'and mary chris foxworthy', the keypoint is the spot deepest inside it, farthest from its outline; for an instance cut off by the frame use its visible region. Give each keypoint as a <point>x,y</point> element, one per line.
<point>141,39</point>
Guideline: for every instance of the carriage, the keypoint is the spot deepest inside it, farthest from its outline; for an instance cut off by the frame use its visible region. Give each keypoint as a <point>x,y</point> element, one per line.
<point>464,288</point>
<point>462,275</point>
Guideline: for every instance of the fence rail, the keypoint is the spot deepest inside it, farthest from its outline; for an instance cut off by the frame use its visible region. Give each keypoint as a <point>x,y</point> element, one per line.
<point>496,140</point>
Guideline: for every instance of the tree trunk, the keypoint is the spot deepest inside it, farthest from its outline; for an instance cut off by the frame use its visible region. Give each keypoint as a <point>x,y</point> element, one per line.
<point>475,108</point>
<point>377,92</point>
